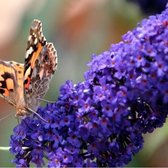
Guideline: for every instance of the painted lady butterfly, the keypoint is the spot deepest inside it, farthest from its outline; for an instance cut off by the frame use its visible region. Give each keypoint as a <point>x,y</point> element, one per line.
<point>23,85</point>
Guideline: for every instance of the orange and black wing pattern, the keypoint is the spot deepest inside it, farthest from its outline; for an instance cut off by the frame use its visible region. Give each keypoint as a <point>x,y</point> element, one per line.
<point>9,81</point>
<point>40,65</point>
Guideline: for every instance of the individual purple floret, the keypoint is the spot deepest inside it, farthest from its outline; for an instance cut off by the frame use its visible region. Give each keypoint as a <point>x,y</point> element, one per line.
<point>100,122</point>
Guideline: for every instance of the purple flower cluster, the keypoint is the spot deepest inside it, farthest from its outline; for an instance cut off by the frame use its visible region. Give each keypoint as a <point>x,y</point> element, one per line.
<point>101,121</point>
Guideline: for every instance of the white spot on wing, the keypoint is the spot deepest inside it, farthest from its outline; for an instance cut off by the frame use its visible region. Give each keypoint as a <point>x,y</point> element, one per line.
<point>30,38</point>
<point>35,41</point>
<point>29,51</point>
<point>27,72</point>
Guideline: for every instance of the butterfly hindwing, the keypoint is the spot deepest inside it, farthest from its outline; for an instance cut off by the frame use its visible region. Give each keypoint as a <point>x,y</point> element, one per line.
<point>40,65</point>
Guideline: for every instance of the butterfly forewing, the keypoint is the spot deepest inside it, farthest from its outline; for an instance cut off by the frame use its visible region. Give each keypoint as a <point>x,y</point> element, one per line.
<point>40,65</point>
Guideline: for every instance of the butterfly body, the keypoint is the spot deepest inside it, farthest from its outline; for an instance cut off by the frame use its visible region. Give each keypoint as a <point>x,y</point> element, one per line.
<point>22,85</point>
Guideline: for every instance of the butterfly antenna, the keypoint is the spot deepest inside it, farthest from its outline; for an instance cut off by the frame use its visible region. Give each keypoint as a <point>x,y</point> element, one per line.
<point>38,115</point>
<point>5,116</point>
<point>44,100</point>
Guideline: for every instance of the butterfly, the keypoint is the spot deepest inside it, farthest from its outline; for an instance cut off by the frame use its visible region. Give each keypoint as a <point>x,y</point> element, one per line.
<point>24,85</point>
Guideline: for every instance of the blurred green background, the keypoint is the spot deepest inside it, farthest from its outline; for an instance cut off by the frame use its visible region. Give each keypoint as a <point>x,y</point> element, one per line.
<point>78,28</point>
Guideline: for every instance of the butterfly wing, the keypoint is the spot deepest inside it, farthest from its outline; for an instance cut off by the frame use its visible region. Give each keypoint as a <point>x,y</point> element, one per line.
<point>40,65</point>
<point>9,80</point>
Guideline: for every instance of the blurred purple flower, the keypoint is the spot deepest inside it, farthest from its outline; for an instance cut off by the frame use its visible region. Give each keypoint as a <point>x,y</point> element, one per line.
<point>100,122</point>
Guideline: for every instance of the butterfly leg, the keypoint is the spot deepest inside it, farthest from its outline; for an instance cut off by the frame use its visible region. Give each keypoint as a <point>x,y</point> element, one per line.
<point>5,116</point>
<point>44,100</point>
<point>18,120</point>
<point>38,115</point>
